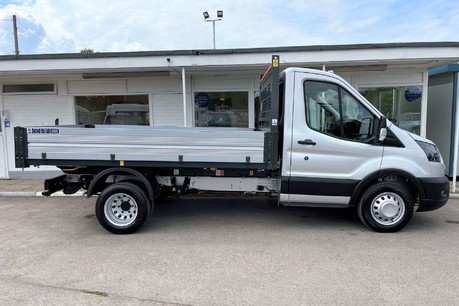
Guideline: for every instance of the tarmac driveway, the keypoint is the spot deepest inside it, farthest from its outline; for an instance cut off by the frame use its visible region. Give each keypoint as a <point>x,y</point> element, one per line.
<point>223,251</point>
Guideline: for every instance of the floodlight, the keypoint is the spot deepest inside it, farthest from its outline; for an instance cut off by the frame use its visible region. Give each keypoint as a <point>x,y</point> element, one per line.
<point>208,19</point>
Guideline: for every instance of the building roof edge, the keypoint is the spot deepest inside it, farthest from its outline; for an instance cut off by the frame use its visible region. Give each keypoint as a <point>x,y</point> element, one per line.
<point>312,48</point>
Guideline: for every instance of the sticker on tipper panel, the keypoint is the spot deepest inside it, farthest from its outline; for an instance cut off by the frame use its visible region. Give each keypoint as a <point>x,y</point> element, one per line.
<point>43,131</point>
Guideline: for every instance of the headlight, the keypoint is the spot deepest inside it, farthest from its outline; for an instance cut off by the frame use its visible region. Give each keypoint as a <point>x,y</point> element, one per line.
<point>432,152</point>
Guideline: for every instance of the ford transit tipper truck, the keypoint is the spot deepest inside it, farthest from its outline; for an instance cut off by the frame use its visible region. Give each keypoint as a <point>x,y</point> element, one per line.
<point>317,142</point>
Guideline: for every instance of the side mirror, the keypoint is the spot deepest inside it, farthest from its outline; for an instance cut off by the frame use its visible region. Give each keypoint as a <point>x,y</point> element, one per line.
<point>382,130</point>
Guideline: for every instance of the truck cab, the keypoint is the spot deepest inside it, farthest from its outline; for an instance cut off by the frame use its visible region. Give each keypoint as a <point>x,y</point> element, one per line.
<point>339,150</point>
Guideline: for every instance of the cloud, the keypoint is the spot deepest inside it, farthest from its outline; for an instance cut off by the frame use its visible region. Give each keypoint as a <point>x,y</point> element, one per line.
<point>52,26</point>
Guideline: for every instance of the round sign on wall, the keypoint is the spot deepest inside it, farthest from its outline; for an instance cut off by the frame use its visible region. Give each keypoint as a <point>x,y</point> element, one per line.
<point>413,93</point>
<point>201,99</point>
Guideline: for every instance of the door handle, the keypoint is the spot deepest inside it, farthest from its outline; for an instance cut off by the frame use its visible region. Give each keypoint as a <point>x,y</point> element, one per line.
<point>307,142</point>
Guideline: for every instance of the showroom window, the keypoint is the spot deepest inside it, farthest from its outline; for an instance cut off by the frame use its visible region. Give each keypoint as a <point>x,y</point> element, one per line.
<point>126,110</point>
<point>401,105</point>
<point>222,109</point>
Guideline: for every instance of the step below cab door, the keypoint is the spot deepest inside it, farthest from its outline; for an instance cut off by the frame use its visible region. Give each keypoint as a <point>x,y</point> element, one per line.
<point>332,145</point>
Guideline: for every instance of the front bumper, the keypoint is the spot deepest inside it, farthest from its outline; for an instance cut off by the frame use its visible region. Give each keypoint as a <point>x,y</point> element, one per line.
<point>436,193</point>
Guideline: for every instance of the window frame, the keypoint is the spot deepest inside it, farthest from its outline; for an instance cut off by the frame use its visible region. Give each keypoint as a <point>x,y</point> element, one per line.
<point>340,92</point>
<point>221,91</point>
<point>396,116</point>
<point>147,96</point>
<point>54,91</point>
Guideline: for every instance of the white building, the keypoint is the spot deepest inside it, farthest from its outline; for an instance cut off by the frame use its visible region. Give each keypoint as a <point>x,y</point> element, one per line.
<point>201,87</point>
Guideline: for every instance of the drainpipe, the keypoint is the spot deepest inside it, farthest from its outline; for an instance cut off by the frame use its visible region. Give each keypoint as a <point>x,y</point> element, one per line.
<point>184,95</point>
<point>456,129</point>
<point>3,116</point>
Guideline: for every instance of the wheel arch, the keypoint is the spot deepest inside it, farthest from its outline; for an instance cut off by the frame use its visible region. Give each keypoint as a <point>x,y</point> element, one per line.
<point>97,184</point>
<point>411,182</point>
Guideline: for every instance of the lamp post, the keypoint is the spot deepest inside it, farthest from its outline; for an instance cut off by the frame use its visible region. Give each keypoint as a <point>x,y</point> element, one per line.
<point>207,19</point>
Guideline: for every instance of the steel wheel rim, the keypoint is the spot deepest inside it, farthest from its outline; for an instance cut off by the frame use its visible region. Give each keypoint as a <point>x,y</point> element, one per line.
<point>388,208</point>
<point>121,209</point>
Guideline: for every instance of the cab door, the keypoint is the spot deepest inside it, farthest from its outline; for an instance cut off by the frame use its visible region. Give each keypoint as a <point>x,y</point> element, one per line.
<point>332,142</point>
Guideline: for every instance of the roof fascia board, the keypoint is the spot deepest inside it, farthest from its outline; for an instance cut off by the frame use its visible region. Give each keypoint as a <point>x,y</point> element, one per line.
<point>291,56</point>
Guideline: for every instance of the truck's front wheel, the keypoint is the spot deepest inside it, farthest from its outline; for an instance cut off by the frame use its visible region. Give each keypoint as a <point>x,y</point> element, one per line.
<point>386,207</point>
<point>122,208</point>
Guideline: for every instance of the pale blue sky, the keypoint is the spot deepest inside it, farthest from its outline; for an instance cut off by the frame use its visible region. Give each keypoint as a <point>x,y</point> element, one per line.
<point>61,26</point>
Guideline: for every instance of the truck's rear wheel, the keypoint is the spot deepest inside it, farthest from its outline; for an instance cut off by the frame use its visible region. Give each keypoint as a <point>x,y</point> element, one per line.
<point>122,208</point>
<point>386,207</point>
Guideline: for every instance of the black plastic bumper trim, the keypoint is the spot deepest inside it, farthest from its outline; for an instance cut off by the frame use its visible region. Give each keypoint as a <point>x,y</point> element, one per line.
<point>436,193</point>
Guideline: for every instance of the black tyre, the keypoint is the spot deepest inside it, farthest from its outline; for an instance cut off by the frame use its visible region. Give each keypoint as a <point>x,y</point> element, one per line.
<point>386,207</point>
<point>122,208</point>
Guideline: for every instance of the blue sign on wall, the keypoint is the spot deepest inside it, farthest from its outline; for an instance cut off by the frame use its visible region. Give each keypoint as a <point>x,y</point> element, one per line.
<point>201,99</point>
<point>413,93</point>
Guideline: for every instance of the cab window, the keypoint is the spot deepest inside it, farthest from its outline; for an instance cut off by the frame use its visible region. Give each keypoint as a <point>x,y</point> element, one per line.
<point>333,111</point>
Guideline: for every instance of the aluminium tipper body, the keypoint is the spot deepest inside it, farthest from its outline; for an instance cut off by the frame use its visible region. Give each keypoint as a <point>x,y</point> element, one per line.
<point>146,143</point>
